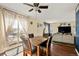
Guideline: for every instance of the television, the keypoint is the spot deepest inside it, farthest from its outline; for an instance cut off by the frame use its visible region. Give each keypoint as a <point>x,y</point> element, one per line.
<point>64,29</point>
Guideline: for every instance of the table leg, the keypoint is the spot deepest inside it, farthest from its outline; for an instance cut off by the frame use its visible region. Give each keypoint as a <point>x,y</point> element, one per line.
<point>38,51</point>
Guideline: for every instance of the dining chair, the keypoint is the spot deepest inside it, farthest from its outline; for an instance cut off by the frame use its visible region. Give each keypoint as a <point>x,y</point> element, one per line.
<point>45,46</point>
<point>46,35</point>
<point>31,35</point>
<point>28,49</point>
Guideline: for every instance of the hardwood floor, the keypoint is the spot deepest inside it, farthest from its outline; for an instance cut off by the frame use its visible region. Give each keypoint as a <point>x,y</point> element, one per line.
<point>62,50</point>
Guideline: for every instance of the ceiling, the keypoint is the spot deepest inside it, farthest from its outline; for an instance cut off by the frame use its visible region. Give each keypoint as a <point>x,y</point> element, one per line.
<point>55,11</point>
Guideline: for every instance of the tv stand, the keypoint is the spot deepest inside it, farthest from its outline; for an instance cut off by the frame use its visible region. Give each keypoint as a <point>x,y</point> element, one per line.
<point>64,38</point>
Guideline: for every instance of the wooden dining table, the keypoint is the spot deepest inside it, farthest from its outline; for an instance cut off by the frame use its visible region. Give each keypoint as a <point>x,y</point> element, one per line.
<point>36,41</point>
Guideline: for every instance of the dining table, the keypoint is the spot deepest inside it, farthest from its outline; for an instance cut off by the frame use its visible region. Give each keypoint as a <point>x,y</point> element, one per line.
<point>36,41</point>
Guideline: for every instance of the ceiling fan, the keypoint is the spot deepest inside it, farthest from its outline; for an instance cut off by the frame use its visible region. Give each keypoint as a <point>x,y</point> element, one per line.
<point>36,7</point>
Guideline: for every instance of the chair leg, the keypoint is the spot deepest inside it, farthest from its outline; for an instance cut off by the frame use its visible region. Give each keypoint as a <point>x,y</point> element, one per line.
<point>24,53</point>
<point>46,52</point>
<point>38,51</point>
<point>29,52</point>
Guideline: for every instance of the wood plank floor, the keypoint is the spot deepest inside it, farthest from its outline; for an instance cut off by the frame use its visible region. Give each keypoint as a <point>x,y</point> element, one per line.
<point>62,50</point>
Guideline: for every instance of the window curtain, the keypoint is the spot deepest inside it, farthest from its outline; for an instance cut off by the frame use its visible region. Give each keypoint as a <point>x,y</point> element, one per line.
<point>3,44</point>
<point>9,20</point>
<point>23,23</point>
<point>22,26</point>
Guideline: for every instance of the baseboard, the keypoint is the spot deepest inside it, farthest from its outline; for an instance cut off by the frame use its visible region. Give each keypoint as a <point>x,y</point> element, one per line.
<point>76,51</point>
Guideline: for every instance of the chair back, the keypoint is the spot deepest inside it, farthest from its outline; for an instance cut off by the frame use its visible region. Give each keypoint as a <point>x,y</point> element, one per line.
<point>45,35</point>
<point>31,35</point>
<point>26,43</point>
<point>49,41</point>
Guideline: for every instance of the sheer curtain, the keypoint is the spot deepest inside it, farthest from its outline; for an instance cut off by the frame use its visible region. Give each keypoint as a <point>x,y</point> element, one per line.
<point>9,21</point>
<point>22,26</point>
<point>23,22</point>
<point>3,44</point>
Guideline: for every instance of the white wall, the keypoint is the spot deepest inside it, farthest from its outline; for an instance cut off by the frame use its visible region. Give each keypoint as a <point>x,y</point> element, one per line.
<point>32,28</point>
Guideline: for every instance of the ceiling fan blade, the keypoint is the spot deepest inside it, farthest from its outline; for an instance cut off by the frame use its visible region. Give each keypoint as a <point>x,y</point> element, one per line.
<point>39,11</point>
<point>43,7</point>
<point>28,4</point>
<point>30,10</point>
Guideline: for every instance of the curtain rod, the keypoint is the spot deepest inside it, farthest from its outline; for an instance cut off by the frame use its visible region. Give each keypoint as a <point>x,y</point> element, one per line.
<point>13,11</point>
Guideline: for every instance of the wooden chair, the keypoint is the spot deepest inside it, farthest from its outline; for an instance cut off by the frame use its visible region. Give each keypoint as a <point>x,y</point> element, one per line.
<point>28,49</point>
<point>31,35</point>
<point>45,46</point>
<point>46,35</point>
